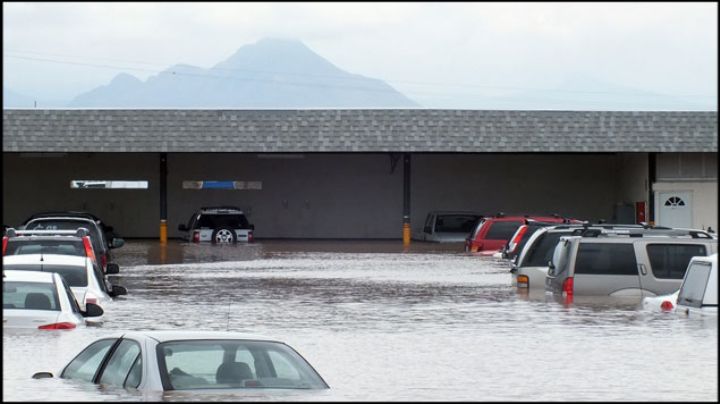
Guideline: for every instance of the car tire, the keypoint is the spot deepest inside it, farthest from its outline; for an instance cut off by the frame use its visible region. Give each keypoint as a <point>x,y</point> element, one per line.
<point>224,235</point>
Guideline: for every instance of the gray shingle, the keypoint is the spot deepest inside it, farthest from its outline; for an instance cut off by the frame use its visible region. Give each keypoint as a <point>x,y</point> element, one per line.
<point>358,130</point>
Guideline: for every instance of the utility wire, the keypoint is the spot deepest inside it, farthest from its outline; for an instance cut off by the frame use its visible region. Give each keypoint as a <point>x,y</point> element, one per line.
<point>342,78</point>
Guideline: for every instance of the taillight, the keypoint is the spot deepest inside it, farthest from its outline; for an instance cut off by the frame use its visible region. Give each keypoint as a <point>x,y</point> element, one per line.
<point>5,241</point>
<point>567,286</point>
<point>514,243</point>
<point>666,305</point>
<point>250,237</point>
<point>58,326</point>
<point>88,248</point>
<point>196,236</point>
<point>523,281</point>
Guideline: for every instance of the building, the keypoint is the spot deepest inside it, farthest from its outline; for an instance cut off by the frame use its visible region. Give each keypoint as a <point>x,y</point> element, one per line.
<point>359,173</point>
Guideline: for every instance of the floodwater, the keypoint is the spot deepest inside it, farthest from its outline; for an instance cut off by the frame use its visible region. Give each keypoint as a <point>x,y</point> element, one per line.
<point>383,324</point>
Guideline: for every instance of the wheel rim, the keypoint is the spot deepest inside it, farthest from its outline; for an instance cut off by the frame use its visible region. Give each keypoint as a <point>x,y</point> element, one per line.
<point>223,236</point>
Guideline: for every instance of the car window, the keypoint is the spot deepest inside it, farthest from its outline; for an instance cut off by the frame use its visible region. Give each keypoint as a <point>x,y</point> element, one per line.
<point>693,288</point>
<point>135,375</point>
<point>32,245</point>
<point>606,259</point>
<point>455,223</point>
<point>541,251</point>
<point>86,364</point>
<point>215,221</point>
<point>74,275</point>
<point>122,360</point>
<point>502,230</point>
<point>216,364</point>
<point>671,260</point>
<point>71,296</point>
<point>30,296</point>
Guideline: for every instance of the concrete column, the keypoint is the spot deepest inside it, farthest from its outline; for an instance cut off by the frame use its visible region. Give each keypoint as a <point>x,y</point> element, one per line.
<point>163,198</point>
<point>406,199</point>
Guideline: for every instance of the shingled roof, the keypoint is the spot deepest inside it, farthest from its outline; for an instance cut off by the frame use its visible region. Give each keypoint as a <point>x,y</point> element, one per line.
<point>356,130</point>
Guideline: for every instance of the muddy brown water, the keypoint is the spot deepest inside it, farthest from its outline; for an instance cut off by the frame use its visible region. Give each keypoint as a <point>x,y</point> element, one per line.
<point>380,323</point>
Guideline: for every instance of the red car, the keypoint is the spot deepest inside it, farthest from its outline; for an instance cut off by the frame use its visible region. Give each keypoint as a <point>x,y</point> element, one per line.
<point>492,233</point>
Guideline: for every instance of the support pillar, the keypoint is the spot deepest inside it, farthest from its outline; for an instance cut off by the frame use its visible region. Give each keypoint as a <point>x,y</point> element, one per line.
<point>163,198</point>
<point>406,199</point>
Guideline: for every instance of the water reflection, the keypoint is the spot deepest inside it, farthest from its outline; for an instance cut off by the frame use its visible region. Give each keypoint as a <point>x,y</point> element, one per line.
<point>430,324</point>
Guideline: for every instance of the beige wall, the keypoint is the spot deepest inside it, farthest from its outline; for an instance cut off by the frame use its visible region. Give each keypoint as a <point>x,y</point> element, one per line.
<point>704,200</point>
<point>322,195</point>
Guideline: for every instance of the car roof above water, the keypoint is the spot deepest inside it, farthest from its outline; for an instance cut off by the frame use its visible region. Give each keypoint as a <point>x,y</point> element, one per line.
<point>28,276</point>
<point>50,259</point>
<point>175,335</point>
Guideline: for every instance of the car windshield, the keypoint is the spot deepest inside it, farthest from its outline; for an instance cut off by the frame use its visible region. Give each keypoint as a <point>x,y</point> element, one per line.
<point>74,275</point>
<point>96,236</point>
<point>223,364</point>
<point>455,223</point>
<point>33,245</point>
<point>30,296</point>
<point>693,287</point>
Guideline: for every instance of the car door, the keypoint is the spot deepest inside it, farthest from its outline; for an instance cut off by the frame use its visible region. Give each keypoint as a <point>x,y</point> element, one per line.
<point>663,264</point>
<point>604,268</point>
<point>124,368</point>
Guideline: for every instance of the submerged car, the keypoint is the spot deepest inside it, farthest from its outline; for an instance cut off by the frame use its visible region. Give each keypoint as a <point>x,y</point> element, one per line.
<point>191,360</point>
<point>85,279</point>
<point>448,226</point>
<point>699,291</point>
<point>624,265</point>
<point>218,225</point>
<point>492,233</point>
<point>42,300</point>
<point>101,245</point>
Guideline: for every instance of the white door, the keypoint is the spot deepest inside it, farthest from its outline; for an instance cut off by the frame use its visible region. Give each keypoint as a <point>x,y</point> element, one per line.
<point>674,209</point>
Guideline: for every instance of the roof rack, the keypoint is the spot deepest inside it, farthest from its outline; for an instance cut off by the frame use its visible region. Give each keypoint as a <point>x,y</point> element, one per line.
<point>79,232</point>
<point>640,232</point>
<point>220,208</point>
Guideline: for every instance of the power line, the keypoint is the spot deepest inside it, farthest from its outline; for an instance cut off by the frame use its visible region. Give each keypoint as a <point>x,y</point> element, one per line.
<point>325,76</point>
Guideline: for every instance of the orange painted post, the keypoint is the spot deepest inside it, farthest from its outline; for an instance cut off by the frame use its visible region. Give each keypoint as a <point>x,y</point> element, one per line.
<point>163,231</point>
<point>406,234</point>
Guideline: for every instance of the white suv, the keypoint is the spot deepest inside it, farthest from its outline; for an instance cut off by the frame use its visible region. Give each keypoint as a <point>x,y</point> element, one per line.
<point>219,225</point>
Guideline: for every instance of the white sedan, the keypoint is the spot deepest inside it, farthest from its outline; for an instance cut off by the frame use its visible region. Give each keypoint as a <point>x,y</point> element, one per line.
<point>85,279</point>
<point>191,360</point>
<point>41,300</point>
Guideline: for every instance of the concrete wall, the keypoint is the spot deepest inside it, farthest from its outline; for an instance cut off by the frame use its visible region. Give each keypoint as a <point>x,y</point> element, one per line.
<point>34,182</point>
<point>581,186</point>
<point>322,195</point>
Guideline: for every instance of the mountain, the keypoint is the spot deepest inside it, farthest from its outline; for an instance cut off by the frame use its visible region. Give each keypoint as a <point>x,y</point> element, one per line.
<point>272,73</point>
<point>13,99</point>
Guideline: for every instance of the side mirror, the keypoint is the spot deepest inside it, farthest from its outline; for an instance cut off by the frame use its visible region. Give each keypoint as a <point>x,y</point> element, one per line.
<point>117,242</point>
<point>42,375</point>
<point>118,291</point>
<point>92,310</point>
<point>183,227</point>
<point>112,268</point>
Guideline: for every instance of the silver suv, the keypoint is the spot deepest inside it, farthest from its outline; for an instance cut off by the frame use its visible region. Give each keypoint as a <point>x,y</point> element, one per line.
<point>219,225</point>
<point>632,265</point>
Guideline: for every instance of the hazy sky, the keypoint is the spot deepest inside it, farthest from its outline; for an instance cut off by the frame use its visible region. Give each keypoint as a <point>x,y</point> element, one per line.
<point>440,54</point>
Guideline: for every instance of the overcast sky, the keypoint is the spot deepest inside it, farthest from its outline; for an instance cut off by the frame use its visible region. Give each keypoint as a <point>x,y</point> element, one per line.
<point>439,54</point>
